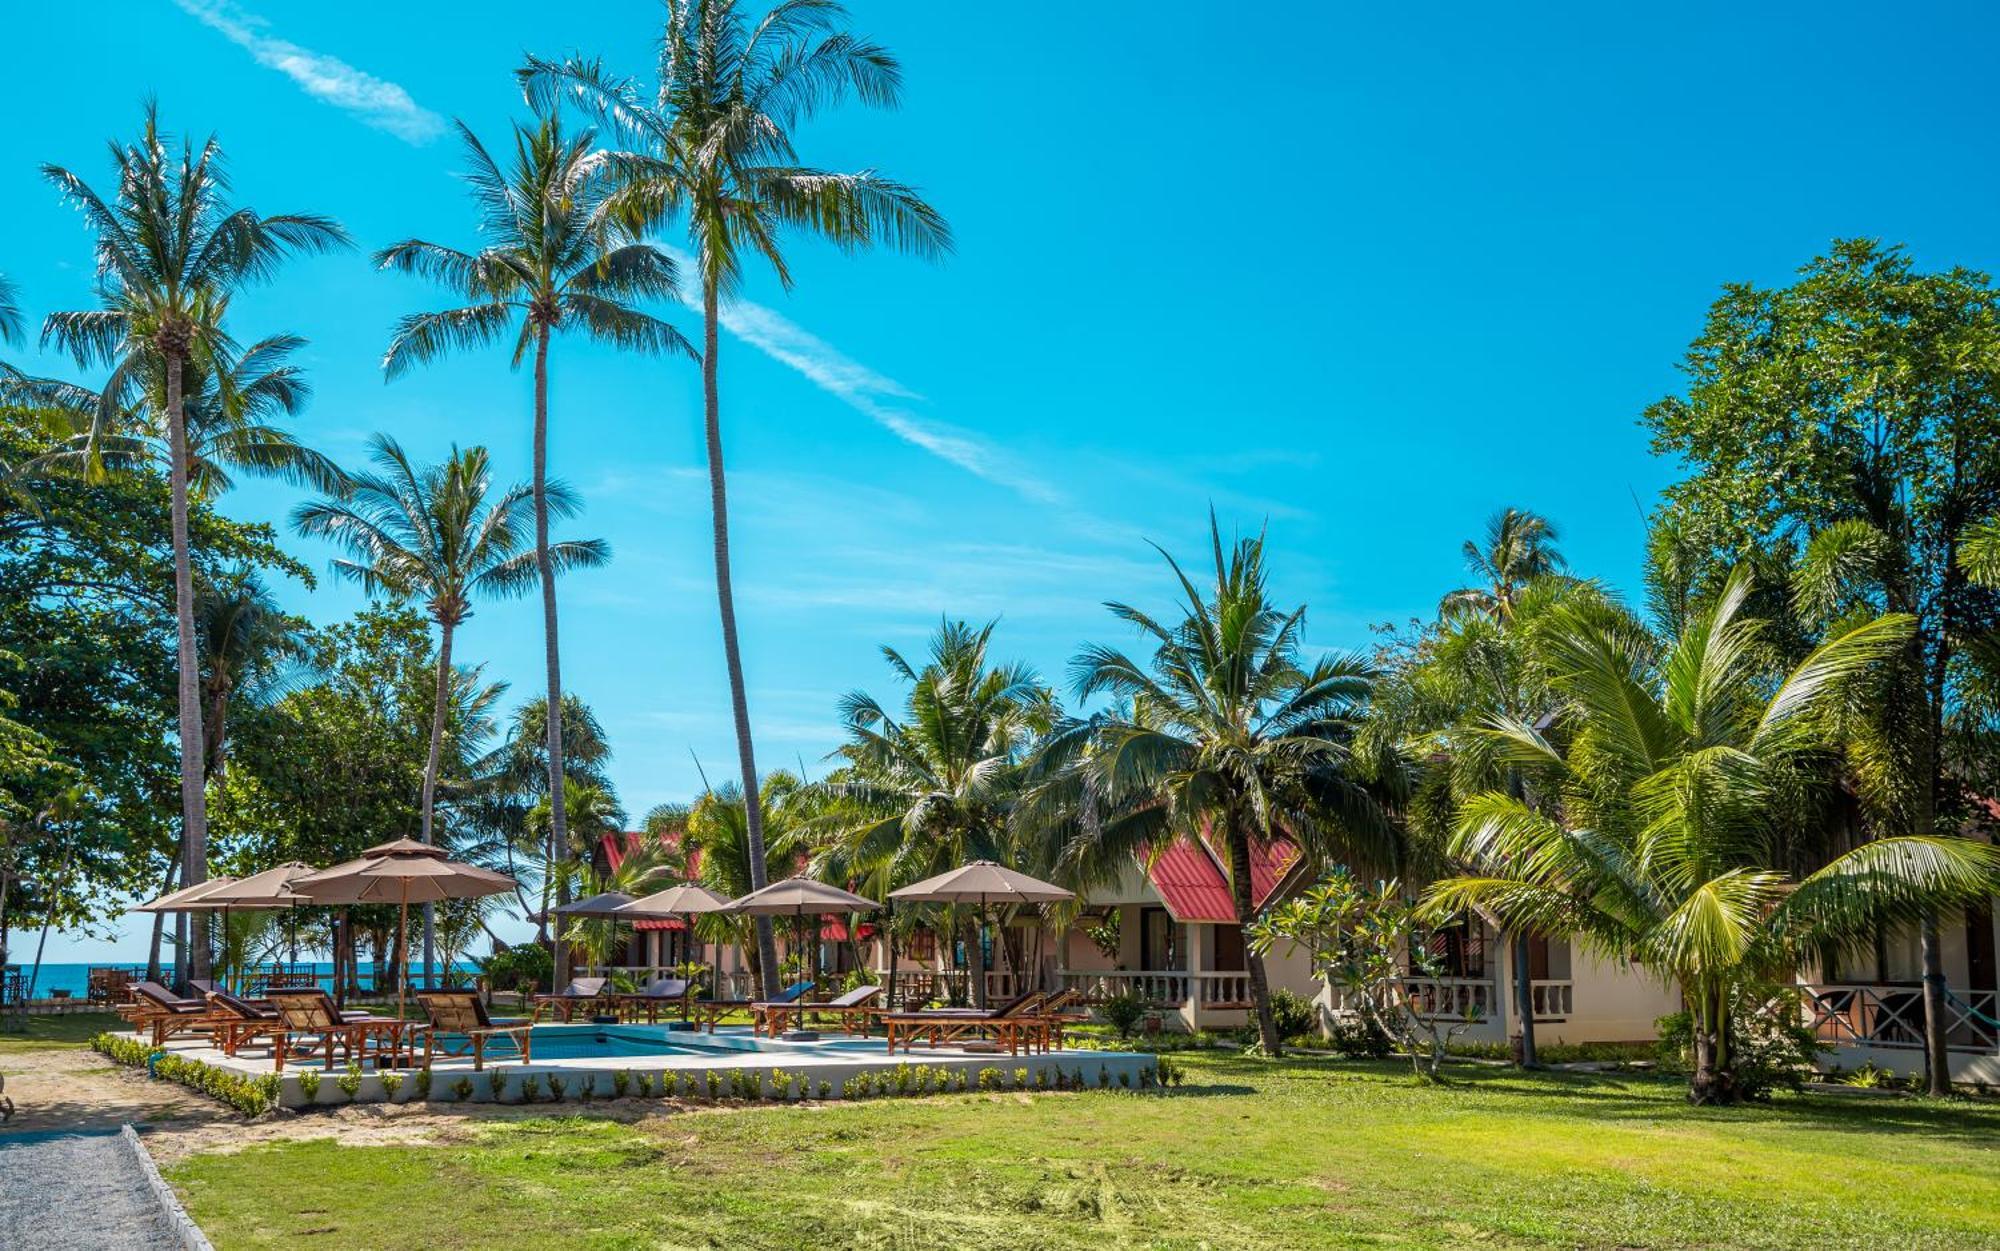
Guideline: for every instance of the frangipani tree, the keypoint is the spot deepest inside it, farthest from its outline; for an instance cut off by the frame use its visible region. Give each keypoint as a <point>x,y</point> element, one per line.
<point>1665,785</point>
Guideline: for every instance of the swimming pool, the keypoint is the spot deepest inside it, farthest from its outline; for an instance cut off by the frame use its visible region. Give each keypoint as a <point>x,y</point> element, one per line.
<point>591,1042</point>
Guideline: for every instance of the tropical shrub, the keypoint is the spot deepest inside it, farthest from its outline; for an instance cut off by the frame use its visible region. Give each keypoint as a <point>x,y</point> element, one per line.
<point>420,1084</point>
<point>522,967</point>
<point>392,1082</point>
<point>496,1084</point>
<point>621,1082</point>
<point>1360,1038</point>
<point>989,1079</point>
<point>1123,1012</point>
<point>1769,1041</point>
<point>252,1096</point>
<point>350,1081</point>
<point>309,1086</point>
<point>1293,1014</point>
<point>461,1089</point>
<point>531,1087</point>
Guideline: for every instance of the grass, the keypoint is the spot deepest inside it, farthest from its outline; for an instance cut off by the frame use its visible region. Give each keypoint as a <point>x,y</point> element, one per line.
<point>50,1033</point>
<point>1300,1153</point>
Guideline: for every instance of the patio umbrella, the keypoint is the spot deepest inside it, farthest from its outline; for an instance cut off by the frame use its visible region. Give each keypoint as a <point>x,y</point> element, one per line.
<point>685,901</point>
<point>402,872</point>
<point>603,904</point>
<point>983,882</point>
<point>269,889</point>
<point>801,897</point>
<point>186,899</point>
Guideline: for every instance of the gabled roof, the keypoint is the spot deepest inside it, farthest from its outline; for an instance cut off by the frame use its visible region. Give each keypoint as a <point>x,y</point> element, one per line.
<point>1191,883</point>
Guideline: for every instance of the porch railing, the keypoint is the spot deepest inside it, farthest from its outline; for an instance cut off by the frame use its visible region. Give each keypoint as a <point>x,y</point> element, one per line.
<point>1160,989</point>
<point>1553,1000</point>
<point>1893,1016</point>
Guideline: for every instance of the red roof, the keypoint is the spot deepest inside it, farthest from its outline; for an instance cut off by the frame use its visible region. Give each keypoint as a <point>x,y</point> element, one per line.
<point>1189,877</point>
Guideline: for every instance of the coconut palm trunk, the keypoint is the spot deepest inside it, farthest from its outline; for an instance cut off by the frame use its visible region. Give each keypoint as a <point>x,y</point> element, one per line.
<point>739,703</point>
<point>445,625</point>
<point>558,814</point>
<point>1242,894</point>
<point>194,812</point>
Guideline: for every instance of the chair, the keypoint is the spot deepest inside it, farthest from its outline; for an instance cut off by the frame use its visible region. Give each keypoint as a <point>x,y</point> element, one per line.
<point>311,1015</point>
<point>581,992</point>
<point>708,1012</point>
<point>1017,1025</point>
<point>462,1014</point>
<point>856,1005</point>
<point>654,995</point>
<point>156,1009</point>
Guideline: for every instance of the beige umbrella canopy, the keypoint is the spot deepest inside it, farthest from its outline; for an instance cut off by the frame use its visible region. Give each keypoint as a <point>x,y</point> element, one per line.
<point>604,904</point>
<point>685,901</point>
<point>801,897</point>
<point>401,872</point>
<point>270,889</point>
<point>186,898</point>
<point>984,883</point>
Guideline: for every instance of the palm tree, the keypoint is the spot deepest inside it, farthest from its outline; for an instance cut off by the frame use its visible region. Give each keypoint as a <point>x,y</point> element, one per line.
<point>1519,547</point>
<point>1479,662</point>
<point>714,147</point>
<point>1227,734</point>
<point>933,787</point>
<point>718,835</point>
<point>434,534</point>
<point>551,263</point>
<point>1665,809</point>
<point>10,312</point>
<point>170,253</point>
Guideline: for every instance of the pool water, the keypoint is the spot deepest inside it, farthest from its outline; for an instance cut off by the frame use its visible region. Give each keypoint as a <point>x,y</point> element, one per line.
<point>581,1042</point>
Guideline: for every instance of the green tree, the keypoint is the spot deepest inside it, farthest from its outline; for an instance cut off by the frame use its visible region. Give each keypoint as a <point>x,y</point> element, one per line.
<point>934,786</point>
<point>1665,790</point>
<point>552,262</point>
<point>1851,422</point>
<point>718,833</point>
<point>713,147</point>
<point>170,253</point>
<point>1228,732</point>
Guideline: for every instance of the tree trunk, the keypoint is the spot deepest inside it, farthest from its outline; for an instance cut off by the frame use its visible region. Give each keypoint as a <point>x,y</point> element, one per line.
<point>558,814</point>
<point>739,703</point>
<point>1524,1005</point>
<point>1937,1059</point>
<point>430,781</point>
<point>1240,891</point>
<point>160,920</point>
<point>194,810</point>
<point>975,953</point>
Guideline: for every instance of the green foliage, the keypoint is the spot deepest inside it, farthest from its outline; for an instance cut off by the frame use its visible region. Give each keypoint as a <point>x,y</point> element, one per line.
<point>1769,1044</point>
<point>309,1086</point>
<point>989,1079</point>
<point>530,1088</point>
<point>1294,1014</point>
<point>350,1081</point>
<point>558,1086</point>
<point>392,1082</point>
<point>461,1089</point>
<point>520,967</point>
<point>621,1082</point>
<point>1123,1012</point>
<point>496,1085</point>
<point>1359,1037</point>
<point>420,1085</point>
<point>1021,1080</point>
<point>250,1095</point>
<point>825,1090</point>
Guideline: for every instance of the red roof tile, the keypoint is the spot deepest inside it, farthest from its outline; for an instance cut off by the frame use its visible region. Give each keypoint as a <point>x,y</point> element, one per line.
<point>1193,886</point>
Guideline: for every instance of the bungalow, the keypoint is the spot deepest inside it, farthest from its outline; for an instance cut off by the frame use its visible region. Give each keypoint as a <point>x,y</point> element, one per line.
<point>1868,1005</point>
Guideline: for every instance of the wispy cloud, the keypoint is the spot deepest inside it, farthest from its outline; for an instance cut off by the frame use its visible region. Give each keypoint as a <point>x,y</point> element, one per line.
<point>383,105</point>
<point>880,398</point>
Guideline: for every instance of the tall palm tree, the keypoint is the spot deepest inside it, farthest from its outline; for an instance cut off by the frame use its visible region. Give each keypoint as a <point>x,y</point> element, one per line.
<point>170,253</point>
<point>439,534</point>
<point>730,864</point>
<point>1519,546</point>
<point>552,262</point>
<point>1671,776</point>
<point>931,788</point>
<point>1479,663</point>
<point>1228,733</point>
<point>10,312</point>
<point>713,147</point>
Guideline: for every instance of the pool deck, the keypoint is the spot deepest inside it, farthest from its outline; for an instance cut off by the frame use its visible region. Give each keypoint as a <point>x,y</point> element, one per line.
<point>832,1059</point>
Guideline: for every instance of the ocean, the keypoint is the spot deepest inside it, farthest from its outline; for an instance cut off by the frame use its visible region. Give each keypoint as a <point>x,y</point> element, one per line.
<point>75,978</point>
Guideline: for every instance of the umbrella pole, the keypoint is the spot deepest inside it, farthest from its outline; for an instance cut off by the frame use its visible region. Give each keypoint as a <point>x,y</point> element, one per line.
<point>403,944</point>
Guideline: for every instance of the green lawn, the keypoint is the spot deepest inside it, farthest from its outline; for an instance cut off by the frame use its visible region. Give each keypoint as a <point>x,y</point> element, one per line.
<point>46,1033</point>
<point>1306,1153</point>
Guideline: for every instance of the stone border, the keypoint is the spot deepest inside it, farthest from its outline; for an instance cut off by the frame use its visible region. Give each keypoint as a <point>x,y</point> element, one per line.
<point>191,1237</point>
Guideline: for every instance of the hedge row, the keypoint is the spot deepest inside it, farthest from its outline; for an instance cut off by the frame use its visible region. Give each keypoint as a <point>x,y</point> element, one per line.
<point>252,1096</point>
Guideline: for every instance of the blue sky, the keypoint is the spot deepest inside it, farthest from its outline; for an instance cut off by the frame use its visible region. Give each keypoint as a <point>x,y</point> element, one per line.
<point>1360,274</point>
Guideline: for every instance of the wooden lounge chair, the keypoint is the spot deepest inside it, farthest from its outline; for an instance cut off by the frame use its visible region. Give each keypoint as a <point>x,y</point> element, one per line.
<point>707,1012</point>
<point>855,1009</point>
<point>156,1010</point>
<point>661,992</point>
<point>461,1014</point>
<point>310,1016</point>
<point>1016,1025</point>
<point>582,992</point>
<point>240,1022</point>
